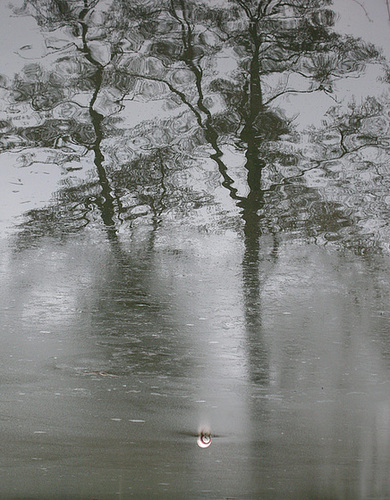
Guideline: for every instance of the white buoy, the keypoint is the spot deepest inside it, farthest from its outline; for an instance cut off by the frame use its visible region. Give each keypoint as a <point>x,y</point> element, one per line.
<point>204,440</point>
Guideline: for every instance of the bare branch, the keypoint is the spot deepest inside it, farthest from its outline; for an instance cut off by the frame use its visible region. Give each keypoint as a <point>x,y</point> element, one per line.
<point>247,10</point>
<point>294,91</point>
<point>365,10</point>
<point>388,8</point>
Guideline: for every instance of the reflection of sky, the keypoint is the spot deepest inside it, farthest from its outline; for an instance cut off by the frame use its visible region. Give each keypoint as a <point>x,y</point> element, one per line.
<point>20,41</point>
<point>368,19</point>
<point>29,186</point>
<point>361,18</point>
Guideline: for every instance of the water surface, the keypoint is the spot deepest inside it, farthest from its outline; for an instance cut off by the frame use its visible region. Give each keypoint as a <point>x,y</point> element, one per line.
<point>194,218</point>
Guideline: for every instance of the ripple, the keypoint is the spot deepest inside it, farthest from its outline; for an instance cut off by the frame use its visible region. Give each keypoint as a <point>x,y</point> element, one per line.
<point>181,77</point>
<point>355,141</point>
<point>375,125</point>
<point>147,90</point>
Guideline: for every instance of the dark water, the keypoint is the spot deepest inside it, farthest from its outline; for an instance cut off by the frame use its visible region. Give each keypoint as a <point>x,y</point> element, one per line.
<point>194,236</point>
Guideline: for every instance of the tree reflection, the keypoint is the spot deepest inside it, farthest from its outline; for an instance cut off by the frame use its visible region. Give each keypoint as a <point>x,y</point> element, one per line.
<point>351,151</point>
<point>170,53</point>
<point>157,95</point>
<point>152,110</point>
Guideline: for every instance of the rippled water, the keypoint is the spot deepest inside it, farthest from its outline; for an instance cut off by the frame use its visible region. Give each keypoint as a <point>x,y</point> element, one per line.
<point>194,238</point>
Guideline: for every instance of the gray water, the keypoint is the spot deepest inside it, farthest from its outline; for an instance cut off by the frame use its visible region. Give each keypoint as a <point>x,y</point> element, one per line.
<point>182,251</point>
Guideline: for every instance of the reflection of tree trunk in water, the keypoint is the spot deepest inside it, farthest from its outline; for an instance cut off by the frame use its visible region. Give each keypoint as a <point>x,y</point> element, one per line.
<point>251,264</point>
<point>259,370</point>
<point>251,268</point>
<point>158,205</point>
<point>255,92</point>
<point>254,100</point>
<point>106,205</point>
<point>257,352</point>
<point>254,268</point>
<point>255,103</point>
<point>210,133</point>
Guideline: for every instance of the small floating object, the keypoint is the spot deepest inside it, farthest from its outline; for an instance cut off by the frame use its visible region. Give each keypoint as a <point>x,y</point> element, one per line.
<point>204,440</point>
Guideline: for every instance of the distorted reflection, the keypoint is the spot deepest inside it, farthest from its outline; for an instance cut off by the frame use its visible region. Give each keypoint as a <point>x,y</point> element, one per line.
<point>194,220</point>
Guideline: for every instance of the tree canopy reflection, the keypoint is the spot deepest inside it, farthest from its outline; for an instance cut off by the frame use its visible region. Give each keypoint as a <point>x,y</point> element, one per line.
<point>168,101</point>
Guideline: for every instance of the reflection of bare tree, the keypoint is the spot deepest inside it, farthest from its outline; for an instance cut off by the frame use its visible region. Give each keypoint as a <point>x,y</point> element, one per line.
<point>106,205</point>
<point>285,39</point>
<point>352,151</point>
<point>140,168</point>
<point>191,58</point>
<point>120,55</point>
<point>95,67</point>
